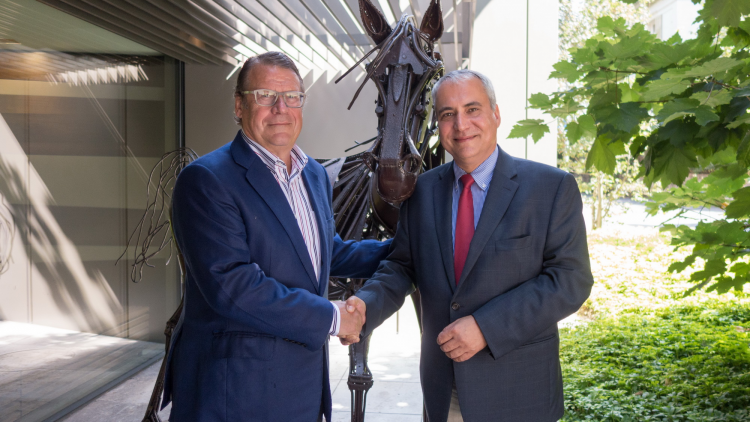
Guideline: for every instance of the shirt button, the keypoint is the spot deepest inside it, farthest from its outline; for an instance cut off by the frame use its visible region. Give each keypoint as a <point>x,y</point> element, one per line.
<point>455,306</point>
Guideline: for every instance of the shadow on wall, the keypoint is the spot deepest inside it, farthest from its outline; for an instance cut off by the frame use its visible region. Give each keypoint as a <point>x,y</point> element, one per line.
<point>87,300</point>
<point>7,236</point>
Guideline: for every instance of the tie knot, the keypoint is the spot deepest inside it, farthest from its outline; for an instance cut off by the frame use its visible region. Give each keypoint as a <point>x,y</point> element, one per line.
<point>467,180</point>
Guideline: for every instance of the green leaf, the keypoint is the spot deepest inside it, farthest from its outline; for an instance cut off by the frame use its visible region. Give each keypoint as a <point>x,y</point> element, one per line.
<point>601,156</point>
<point>530,127</point>
<point>680,107</point>
<point>673,165</point>
<point>740,207</point>
<point>663,87</point>
<point>583,128</point>
<point>718,65</point>
<point>704,115</point>
<point>745,119</point>
<point>743,151</point>
<point>663,55</point>
<point>626,47</point>
<point>729,12</point>
<point>676,109</point>
<point>565,70</point>
<point>540,101</point>
<point>714,98</point>
<point>570,107</point>
<point>626,117</point>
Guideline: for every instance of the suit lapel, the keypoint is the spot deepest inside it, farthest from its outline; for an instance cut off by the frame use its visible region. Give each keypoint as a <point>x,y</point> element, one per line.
<point>443,201</point>
<point>268,188</point>
<point>317,199</point>
<point>500,194</point>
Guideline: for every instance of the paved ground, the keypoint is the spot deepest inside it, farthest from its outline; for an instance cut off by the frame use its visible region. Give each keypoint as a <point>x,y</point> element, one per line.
<point>45,370</point>
<point>396,395</point>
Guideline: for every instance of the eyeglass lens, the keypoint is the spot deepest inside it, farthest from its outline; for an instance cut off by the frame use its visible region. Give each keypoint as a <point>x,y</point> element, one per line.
<point>267,97</point>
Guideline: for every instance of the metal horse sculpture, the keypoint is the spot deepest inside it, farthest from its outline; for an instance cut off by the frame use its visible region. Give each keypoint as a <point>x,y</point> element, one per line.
<point>368,187</point>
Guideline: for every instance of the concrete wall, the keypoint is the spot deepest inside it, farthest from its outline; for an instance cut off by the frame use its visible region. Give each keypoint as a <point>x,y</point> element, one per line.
<point>328,127</point>
<point>515,45</point>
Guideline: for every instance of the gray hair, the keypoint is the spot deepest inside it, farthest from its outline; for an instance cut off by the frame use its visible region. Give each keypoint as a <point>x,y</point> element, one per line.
<point>270,58</point>
<point>464,75</point>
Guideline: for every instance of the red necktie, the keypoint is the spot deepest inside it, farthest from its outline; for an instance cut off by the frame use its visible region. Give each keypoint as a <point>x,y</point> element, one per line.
<point>464,226</point>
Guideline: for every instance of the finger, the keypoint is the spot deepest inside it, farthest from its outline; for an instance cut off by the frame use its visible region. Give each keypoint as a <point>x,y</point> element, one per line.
<point>445,335</point>
<point>455,353</point>
<point>464,357</point>
<point>450,346</point>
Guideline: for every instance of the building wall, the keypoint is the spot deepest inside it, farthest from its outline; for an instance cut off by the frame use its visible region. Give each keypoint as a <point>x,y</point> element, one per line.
<point>515,45</point>
<point>673,16</point>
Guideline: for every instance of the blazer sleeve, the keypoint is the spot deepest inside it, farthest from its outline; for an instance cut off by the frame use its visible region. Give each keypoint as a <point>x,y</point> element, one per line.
<point>514,318</point>
<point>385,292</point>
<point>212,238</point>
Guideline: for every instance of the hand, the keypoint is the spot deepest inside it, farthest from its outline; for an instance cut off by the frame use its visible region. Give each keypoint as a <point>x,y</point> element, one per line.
<point>353,304</point>
<point>352,319</point>
<point>462,339</point>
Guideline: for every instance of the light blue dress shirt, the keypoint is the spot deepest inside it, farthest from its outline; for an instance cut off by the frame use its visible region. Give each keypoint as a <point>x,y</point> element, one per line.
<point>482,177</point>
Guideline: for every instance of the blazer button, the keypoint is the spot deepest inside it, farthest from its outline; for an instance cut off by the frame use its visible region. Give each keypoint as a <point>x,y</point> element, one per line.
<point>455,306</point>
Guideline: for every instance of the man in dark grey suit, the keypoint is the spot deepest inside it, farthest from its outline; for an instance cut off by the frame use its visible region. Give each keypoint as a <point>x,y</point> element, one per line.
<point>497,247</point>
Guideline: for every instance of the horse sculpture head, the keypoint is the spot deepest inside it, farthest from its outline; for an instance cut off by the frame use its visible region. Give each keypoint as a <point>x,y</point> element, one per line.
<point>403,70</point>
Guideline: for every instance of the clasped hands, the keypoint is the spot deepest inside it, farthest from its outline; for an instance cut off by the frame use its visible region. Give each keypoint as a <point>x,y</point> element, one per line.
<point>352,319</point>
<point>460,340</point>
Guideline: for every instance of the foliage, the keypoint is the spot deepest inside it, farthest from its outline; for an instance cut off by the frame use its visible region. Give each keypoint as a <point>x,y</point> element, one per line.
<point>678,107</point>
<point>687,363</point>
<point>576,135</point>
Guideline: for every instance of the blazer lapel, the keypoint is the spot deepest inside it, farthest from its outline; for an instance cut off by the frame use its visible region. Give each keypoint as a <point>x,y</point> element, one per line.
<point>317,199</point>
<point>443,197</point>
<point>500,194</point>
<point>268,188</point>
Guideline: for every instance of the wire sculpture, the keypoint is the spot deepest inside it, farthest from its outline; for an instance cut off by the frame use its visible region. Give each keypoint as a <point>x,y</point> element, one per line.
<point>153,233</point>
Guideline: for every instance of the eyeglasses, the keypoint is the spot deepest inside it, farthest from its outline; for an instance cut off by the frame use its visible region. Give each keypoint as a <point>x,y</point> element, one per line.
<point>267,97</point>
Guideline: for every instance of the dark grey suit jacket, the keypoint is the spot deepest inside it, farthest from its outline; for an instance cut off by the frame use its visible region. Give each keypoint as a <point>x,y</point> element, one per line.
<point>527,268</point>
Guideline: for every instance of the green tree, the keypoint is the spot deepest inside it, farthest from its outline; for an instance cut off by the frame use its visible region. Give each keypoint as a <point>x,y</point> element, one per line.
<point>577,23</point>
<point>678,107</point>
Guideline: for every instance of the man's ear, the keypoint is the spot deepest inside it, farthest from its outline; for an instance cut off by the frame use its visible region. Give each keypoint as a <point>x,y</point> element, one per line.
<point>238,106</point>
<point>496,113</point>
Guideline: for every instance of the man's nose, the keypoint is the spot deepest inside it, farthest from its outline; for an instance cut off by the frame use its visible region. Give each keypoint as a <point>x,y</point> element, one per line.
<point>461,122</point>
<point>280,106</point>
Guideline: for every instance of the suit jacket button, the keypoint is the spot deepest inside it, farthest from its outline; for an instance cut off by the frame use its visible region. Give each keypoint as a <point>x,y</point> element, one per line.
<point>455,306</point>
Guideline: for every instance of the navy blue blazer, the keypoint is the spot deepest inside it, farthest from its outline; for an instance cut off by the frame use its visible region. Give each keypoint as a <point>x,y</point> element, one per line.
<point>527,268</point>
<point>251,344</point>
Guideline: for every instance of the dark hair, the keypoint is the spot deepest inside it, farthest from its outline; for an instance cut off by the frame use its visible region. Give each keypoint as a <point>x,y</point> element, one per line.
<point>270,58</point>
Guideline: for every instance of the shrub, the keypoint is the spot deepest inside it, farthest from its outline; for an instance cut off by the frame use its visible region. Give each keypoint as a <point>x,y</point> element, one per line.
<point>684,363</point>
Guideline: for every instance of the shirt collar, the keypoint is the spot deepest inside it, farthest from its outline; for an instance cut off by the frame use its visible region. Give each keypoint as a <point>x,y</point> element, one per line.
<point>482,174</point>
<point>299,159</point>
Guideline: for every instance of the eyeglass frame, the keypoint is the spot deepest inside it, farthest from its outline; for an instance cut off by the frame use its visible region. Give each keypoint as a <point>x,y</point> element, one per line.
<point>278,94</point>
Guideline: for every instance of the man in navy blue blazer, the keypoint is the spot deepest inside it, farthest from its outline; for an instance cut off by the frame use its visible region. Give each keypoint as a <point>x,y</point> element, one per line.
<point>254,222</point>
<point>497,247</point>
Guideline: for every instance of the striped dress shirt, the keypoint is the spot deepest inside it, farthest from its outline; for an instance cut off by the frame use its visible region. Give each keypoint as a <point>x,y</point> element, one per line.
<point>293,186</point>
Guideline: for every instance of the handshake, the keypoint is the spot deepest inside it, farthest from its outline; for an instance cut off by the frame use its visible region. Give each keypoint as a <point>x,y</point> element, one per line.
<point>352,319</point>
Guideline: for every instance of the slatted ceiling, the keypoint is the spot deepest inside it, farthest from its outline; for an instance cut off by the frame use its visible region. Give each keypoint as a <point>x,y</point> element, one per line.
<point>322,35</point>
<point>163,24</point>
<point>331,25</point>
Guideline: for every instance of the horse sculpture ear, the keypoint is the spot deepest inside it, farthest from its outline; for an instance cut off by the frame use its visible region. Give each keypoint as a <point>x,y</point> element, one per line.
<point>374,22</point>
<point>432,23</point>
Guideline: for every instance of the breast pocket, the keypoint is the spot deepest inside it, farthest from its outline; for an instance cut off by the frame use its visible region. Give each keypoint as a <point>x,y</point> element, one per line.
<point>505,258</point>
<point>513,244</point>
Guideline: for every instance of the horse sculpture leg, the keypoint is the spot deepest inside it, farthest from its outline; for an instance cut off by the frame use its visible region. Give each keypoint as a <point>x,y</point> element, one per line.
<point>152,411</point>
<point>360,378</point>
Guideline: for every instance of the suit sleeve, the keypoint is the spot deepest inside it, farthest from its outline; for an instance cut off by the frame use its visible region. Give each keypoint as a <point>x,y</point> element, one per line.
<point>212,238</point>
<point>514,318</point>
<point>385,292</point>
